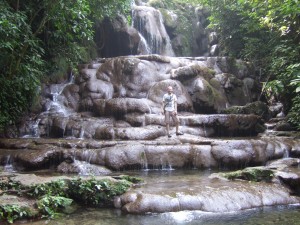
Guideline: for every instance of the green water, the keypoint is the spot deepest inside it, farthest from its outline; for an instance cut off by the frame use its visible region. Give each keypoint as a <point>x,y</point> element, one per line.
<point>277,215</point>
<point>280,215</point>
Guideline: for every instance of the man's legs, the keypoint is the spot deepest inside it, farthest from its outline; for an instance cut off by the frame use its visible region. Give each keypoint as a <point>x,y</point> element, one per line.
<point>167,121</point>
<point>176,120</point>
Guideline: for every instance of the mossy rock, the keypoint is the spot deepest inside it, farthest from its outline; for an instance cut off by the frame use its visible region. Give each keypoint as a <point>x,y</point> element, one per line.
<point>256,174</point>
<point>257,108</point>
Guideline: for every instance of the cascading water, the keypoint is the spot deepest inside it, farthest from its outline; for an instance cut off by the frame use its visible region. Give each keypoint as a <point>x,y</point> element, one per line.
<point>8,167</point>
<point>54,107</point>
<point>57,106</point>
<point>33,129</point>
<point>143,48</point>
<point>149,22</point>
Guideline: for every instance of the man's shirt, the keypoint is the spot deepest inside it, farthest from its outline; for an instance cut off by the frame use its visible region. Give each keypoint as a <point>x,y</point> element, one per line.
<point>169,102</point>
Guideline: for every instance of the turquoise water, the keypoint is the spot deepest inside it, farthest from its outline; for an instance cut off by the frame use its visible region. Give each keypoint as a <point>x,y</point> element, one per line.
<point>277,215</point>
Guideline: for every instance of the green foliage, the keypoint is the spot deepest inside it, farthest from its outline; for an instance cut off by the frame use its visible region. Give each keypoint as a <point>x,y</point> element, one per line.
<point>184,24</point>
<point>56,196</point>
<point>97,192</point>
<point>294,114</point>
<point>58,188</point>
<point>131,179</point>
<point>10,213</point>
<point>268,34</point>
<point>35,36</point>
<point>49,206</point>
<point>7,184</point>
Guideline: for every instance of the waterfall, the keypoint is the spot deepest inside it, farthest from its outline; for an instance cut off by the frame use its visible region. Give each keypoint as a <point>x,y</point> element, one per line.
<point>33,129</point>
<point>54,106</point>
<point>57,99</point>
<point>149,22</point>
<point>143,48</point>
<point>8,167</point>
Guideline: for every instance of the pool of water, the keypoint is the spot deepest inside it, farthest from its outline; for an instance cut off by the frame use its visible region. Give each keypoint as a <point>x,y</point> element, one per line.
<point>279,215</point>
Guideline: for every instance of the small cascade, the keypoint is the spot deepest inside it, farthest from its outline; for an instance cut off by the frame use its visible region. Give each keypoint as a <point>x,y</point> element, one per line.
<point>33,129</point>
<point>143,47</point>
<point>286,153</point>
<point>149,22</point>
<point>8,167</point>
<point>144,162</point>
<point>81,135</point>
<point>83,167</point>
<point>57,105</point>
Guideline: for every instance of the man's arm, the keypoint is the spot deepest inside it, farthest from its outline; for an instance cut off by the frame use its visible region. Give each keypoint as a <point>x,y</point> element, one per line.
<point>163,106</point>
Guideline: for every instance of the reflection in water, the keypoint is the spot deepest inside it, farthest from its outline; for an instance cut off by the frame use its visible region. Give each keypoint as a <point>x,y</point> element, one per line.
<point>267,216</point>
<point>278,215</point>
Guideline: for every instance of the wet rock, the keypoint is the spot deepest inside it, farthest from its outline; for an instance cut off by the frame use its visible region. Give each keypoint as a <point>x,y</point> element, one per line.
<point>275,108</point>
<point>120,106</point>
<point>124,156</point>
<point>139,133</point>
<point>184,100</point>
<point>71,93</point>
<point>58,127</point>
<point>34,159</point>
<point>281,164</point>
<point>283,126</point>
<point>191,71</point>
<point>136,119</point>
<point>82,168</point>
<point>120,39</point>
<point>168,156</point>
<point>206,98</point>
<point>217,196</point>
<point>290,179</point>
<point>250,174</point>
<point>233,153</point>
<point>105,133</point>
<point>203,157</point>
<point>256,108</point>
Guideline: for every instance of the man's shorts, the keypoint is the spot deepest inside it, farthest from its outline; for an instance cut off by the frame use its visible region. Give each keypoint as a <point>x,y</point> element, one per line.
<point>169,114</point>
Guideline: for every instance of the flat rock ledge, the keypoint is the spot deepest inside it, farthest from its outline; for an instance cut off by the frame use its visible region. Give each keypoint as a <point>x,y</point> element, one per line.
<point>218,193</point>
<point>186,151</point>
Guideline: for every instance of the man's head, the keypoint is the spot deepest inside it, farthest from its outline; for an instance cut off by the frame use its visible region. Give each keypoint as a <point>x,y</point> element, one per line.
<point>170,89</point>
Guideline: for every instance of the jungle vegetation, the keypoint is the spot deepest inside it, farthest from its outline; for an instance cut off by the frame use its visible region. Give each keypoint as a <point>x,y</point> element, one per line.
<point>45,38</point>
<point>267,33</point>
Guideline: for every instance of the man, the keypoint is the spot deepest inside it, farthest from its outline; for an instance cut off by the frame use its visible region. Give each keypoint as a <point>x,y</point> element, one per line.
<point>170,110</point>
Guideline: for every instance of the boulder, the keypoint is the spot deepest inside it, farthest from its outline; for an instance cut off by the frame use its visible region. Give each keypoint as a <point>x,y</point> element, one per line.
<point>82,168</point>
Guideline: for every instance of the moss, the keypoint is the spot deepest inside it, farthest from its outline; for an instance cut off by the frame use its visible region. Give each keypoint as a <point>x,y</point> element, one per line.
<point>234,110</point>
<point>168,20</point>
<point>131,179</point>
<point>156,3</point>
<point>251,174</point>
<point>256,108</point>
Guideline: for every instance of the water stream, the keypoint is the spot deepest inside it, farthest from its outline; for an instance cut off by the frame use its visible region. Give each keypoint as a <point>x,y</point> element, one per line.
<point>277,215</point>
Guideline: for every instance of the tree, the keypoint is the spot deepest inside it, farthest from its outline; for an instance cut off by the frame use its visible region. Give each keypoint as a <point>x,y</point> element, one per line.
<point>268,34</point>
<point>36,37</point>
